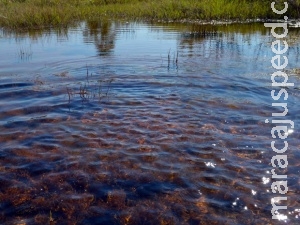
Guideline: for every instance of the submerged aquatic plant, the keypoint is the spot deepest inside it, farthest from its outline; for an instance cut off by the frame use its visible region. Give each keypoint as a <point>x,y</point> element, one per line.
<point>91,91</point>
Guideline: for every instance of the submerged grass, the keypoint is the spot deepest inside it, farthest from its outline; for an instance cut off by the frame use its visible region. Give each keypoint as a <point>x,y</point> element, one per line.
<point>48,13</point>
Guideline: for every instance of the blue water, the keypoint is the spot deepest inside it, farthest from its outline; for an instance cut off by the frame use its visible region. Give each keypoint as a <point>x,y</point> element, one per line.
<point>135,123</point>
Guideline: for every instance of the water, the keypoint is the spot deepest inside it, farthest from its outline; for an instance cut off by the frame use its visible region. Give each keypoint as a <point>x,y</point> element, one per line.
<point>134,123</point>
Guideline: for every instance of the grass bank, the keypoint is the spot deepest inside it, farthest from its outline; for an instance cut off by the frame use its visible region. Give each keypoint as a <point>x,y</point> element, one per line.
<point>47,13</point>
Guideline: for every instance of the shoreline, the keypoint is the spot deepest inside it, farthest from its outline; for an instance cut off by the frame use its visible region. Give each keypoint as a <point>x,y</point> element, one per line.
<point>293,23</point>
<point>226,21</point>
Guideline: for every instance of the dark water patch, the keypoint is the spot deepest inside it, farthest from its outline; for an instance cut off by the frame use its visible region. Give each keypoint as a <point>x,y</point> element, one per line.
<point>38,168</point>
<point>14,85</point>
<point>8,94</point>
<point>14,124</point>
<point>151,189</point>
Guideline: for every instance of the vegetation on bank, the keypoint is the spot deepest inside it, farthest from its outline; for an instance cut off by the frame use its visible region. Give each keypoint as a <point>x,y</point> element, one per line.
<point>47,13</point>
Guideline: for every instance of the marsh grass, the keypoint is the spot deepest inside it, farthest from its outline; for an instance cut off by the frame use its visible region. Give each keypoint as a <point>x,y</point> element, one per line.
<point>175,59</point>
<point>89,91</point>
<point>53,13</point>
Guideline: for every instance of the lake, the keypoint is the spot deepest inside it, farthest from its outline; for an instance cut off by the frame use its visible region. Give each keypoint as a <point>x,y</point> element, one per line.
<point>144,123</point>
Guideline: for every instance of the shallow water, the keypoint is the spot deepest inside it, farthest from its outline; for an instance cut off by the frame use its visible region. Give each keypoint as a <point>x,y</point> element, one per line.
<point>134,123</point>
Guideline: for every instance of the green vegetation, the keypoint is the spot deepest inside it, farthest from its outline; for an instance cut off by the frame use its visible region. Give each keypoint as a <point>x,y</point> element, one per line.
<point>48,13</point>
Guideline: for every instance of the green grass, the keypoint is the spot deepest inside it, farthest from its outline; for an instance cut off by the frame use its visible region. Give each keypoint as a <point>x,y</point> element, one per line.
<point>50,13</point>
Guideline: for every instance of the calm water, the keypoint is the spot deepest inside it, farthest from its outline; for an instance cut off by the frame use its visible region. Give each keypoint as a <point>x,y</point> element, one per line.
<point>132,123</point>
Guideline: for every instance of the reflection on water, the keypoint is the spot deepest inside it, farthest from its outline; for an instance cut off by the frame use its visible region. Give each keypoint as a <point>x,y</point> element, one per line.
<point>102,34</point>
<point>130,123</point>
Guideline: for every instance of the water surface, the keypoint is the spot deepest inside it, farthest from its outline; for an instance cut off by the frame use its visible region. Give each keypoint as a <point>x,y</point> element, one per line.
<point>134,123</point>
